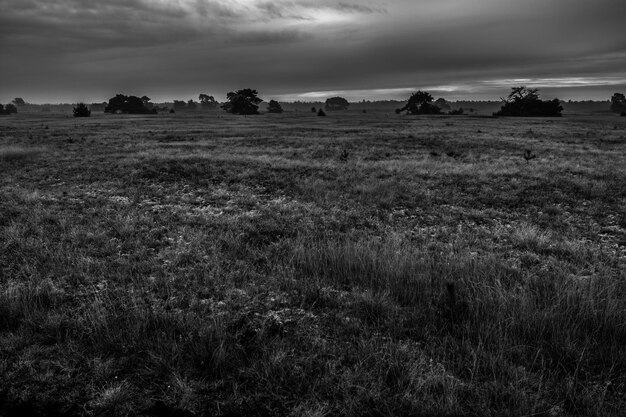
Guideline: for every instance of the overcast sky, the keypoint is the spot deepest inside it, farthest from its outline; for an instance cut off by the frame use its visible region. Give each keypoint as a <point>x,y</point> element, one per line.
<point>84,50</point>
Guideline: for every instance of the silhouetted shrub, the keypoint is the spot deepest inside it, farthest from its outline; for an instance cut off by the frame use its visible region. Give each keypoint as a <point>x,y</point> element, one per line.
<point>420,102</point>
<point>274,107</point>
<point>457,112</point>
<point>172,111</point>
<point>618,103</point>
<point>207,102</point>
<point>122,104</point>
<point>525,102</point>
<point>8,109</point>
<point>81,110</point>
<point>336,103</point>
<point>321,113</point>
<point>623,114</point>
<point>313,110</point>
<point>242,102</point>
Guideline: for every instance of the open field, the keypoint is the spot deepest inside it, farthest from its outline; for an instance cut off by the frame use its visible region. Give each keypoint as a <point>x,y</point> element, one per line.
<point>358,264</point>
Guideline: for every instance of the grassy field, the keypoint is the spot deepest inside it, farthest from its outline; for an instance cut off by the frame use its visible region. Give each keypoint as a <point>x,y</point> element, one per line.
<point>358,264</point>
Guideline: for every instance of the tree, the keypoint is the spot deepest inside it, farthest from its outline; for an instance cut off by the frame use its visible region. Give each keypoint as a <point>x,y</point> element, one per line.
<point>18,101</point>
<point>321,113</point>
<point>207,102</point>
<point>127,105</point>
<point>618,103</point>
<point>9,109</point>
<point>525,102</point>
<point>274,107</point>
<point>442,104</point>
<point>81,110</point>
<point>179,105</point>
<point>244,101</point>
<point>336,103</point>
<point>420,102</point>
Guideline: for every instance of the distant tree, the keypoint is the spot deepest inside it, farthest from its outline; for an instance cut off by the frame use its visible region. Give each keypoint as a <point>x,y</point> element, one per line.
<point>18,101</point>
<point>127,105</point>
<point>321,113</point>
<point>457,112</point>
<point>191,105</point>
<point>442,104</point>
<point>274,107</point>
<point>313,110</point>
<point>618,103</point>
<point>207,102</point>
<point>179,105</point>
<point>8,109</point>
<point>81,110</point>
<point>336,103</point>
<point>420,102</point>
<point>244,101</point>
<point>525,102</point>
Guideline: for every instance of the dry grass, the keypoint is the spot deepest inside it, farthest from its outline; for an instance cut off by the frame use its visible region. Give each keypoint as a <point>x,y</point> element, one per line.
<point>358,264</point>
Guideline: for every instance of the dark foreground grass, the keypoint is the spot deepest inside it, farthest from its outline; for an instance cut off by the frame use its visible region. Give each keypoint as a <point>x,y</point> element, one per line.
<point>294,265</point>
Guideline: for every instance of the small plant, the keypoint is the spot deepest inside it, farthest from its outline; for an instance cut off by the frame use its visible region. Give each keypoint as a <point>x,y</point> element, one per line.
<point>81,110</point>
<point>344,155</point>
<point>528,155</point>
<point>321,113</point>
<point>313,110</point>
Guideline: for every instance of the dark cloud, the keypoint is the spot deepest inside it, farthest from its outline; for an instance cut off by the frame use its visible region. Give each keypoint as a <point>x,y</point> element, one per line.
<point>72,48</point>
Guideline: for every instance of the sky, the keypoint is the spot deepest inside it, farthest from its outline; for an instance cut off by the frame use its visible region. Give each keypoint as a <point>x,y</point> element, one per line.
<point>68,51</point>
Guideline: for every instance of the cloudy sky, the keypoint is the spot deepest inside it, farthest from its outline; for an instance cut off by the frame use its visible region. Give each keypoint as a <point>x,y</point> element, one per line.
<point>85,50</point>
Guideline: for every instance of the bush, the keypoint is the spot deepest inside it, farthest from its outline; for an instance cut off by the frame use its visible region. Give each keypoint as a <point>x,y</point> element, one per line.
<point>122,104</point>
<point>9,109</point>
<point>274,107</point>
<point>81,110</point>
<point>623,114</point>
<point>525,102</point>
<point>337,103</point>
<point>457,112</point>
<point>618,103</point>
<point>420,102</point>
<point>321,113</point>
<point>313,110</point>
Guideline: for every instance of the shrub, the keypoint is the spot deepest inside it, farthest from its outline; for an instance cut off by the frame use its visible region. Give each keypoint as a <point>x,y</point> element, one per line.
<point>321,113</point>
<point>9,109</point>
<point>122,104</point>
<point>457,112</point>
<point>274,107</point>
<point>420,102</point>
<point>81,110</point>
<point>525,102</point>
<point>618,103</point>
<point>337,103</point>
<point>313,110</point>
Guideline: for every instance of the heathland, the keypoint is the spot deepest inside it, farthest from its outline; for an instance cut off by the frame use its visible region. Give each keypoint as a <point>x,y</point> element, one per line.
<point>288,264</point>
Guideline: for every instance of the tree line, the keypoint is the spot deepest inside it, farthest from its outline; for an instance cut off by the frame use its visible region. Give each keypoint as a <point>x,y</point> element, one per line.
<point>521,102</point>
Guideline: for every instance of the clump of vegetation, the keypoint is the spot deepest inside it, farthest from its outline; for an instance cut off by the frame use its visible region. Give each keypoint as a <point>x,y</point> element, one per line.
<point>122,104</point>
<point>525,102</point>
<point>81,110</point>
<point>244,102</point>
<point>274,107</point>
<point>8,109</point>
<point>457,112</point>
<point>529,155</point>
<point>207,101</point>
<point>420,102</point>
<point>321,113</point>
<point>313,110</point>
<point>618,103</point>
<point>336,103</point>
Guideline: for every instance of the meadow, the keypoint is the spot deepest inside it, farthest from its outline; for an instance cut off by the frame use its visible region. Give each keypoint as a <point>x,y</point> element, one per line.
<point>359,264</point>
